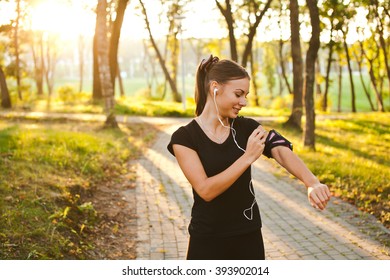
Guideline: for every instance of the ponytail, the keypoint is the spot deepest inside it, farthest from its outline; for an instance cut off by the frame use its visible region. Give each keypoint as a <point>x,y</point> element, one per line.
<point>202,82</point>
<point>213,69</point>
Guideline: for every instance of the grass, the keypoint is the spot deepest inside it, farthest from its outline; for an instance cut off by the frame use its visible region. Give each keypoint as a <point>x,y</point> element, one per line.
<point>352,157</point>
<point>135,106</point>
<point>136,103</point>
<point>48,172</point>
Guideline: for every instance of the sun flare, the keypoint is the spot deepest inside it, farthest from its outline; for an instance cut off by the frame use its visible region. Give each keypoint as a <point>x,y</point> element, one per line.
<point>62,18</point>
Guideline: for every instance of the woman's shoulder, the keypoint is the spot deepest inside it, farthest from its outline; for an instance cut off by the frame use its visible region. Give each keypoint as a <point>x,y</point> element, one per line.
<point>184,135</point>
<point>187,129</point>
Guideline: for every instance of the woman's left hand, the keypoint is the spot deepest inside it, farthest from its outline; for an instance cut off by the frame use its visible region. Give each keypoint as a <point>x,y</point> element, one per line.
<point>318,195</point>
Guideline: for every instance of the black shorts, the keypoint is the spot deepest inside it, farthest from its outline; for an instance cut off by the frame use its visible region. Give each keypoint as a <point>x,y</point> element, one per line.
<point>248,246</point>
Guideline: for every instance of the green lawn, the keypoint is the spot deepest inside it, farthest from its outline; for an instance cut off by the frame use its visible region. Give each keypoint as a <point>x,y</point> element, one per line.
<point>48,171</point>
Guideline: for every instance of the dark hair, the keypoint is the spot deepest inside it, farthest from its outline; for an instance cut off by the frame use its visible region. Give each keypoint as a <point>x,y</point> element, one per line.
<point>213,69</point>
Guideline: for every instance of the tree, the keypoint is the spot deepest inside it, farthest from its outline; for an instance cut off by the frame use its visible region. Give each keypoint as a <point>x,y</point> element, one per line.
<point>171,81</point>
<point>359,56</point>
<point>294,120</point>
<point>331,14</point>
<point>281,56</point>
<point>103,65</point>
<point>4,92</point>
<point>16,48</point>
<point>348,57</point>
<point>96,86</point>
<point>81,46</point>
<point>114,40</point>
<point>371,54</point>
<point>253,8</point>
<point>379,15</point>
<point>38,60</point>
<point>5,98</point>
<point>269,64</point>
<point>228,15</point>
<point>50,61</point>
<point>311,57</point>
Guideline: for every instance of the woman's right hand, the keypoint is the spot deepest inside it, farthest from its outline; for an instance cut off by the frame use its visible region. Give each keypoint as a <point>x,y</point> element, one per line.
<point>256,143</point>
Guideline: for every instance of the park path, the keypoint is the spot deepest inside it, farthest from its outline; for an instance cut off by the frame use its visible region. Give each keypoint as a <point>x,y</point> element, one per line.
<point>292,229</point>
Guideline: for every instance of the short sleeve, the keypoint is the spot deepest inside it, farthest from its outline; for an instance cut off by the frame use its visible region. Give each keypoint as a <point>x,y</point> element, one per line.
<point>181,137</point>
<point>251,125</point>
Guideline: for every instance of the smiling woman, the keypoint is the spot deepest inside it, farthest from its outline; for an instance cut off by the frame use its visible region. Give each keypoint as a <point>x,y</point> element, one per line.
<point>62,18</point>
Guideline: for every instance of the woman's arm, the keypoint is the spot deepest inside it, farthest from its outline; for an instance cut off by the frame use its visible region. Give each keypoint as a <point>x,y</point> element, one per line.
<point>209,188</point>
<point>318,194</point>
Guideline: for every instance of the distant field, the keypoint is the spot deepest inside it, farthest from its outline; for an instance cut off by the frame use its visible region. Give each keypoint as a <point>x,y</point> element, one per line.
<point>137,87</point>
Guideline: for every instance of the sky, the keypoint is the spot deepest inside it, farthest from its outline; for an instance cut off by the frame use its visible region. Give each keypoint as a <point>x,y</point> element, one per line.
<point>69,19</point>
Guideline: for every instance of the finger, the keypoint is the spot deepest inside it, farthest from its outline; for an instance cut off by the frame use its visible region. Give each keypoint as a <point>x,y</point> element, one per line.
<point>328,192</point>
<point>322,196</point>
<point>324,192</point>
<point>255,132</point>
<point>316,201</point>
<point>313,204</point>
<point>261,129</point>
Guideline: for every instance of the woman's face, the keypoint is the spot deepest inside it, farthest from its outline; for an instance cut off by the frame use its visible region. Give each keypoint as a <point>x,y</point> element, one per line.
<point>231,97</point>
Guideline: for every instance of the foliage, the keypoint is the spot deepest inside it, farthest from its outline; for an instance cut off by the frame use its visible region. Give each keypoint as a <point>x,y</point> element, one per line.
<point>68,95</point>
<point>269,65</point>
<point>48,173</point>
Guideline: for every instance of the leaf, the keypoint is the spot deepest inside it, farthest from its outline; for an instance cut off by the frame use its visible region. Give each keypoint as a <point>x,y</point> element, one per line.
<point>66,211</point>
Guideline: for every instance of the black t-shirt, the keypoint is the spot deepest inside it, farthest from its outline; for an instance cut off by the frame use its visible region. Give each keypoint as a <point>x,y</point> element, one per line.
<point>224,215</point>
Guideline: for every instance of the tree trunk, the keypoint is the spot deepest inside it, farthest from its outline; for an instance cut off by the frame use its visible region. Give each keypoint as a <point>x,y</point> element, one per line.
<point>327,76</point>
<point>103,62</point>
<point>228,15</point>
<point>114,41</point>
<point>38,64</point>
<point>17,52</point>
<point>375,86</point>
<point>252,31</point>
<point>171,82</point>
<point>382,41</point>
<point>359,60</point>
<point>318,74</point>
<point>81,61</point>
<point>254,80</point>
<point>5,98</point>
<point>49,67</point>
<point>353,95</point>
<point>120,81</point>
<point>311,57</point>
<point>283,67</point>
<point>294,120</point>
<point>340,87</point>
<point>97,87</point>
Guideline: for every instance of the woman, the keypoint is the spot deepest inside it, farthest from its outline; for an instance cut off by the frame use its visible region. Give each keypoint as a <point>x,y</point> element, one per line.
<point>215,152</point>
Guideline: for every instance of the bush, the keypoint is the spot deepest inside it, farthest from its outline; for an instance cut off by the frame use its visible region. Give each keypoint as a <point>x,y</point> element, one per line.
<point>66,94</point>
<point>281,102</point>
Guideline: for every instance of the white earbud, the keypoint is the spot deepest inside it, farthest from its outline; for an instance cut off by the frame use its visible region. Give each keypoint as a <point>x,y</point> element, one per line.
<point>215,91</point>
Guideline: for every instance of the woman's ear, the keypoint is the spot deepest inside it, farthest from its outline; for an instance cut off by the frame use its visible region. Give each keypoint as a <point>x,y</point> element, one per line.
<point>214,86</point>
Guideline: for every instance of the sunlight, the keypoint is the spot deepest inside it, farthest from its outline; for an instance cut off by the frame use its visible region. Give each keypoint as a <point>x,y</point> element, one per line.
<point>63,18</point>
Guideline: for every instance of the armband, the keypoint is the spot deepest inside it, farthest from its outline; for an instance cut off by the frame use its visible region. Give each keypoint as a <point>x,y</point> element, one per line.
<point>273,140</point>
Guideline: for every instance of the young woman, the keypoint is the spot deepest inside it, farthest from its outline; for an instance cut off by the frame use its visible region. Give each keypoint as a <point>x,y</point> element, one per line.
<point>215,152</point>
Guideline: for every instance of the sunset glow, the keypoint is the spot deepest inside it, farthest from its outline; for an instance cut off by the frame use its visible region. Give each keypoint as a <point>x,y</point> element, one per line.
<point>69,19</point>
<point>62,18</point>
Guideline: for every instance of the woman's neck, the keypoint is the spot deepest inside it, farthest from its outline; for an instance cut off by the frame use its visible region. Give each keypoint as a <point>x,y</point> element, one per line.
<point>210,118</point>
